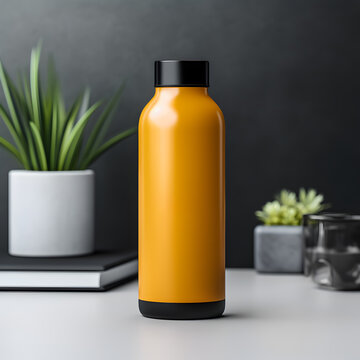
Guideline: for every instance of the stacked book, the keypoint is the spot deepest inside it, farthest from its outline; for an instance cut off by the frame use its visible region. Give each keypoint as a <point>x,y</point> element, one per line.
<point>96,272</point>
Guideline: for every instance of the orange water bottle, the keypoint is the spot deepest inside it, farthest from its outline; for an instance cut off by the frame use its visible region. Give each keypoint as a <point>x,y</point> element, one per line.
<point>181,196</point>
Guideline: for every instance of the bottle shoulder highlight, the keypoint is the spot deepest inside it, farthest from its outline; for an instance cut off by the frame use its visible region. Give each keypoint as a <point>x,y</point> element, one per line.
<point>181,109</point>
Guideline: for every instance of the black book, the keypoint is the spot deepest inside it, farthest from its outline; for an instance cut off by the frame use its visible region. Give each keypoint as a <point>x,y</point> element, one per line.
<point>96,272</point>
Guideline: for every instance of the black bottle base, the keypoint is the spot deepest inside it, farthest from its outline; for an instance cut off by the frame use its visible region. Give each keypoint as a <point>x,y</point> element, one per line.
<point>181,311</point>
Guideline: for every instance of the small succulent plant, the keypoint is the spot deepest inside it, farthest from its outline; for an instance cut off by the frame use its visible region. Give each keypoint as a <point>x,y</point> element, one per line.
<point>288,209</point>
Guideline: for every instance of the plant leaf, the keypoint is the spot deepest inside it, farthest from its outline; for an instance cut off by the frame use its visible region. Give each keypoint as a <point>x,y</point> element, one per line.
<point>84,103</point>
<point>54,138</point>
<point>14,101</point>
<point>71,157</point>
<point>11,148</point>
<point>34,85</point>
<point>67,125</point>
<point>46,118</point>
<point>109,144</point>
<point>9,100</point>
<point>98,133</point>
<point>20,102</point>
<point>74,154</point>
<point>75,148</point>
<point>27,96</point>
<point>34,163</point>
<point>15,136</point>
<point>39,146</point>
<point>75,135</point>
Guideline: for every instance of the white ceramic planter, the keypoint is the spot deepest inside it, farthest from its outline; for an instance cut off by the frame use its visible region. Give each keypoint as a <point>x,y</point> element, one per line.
<point>51,213</point>
<point>278,249</point>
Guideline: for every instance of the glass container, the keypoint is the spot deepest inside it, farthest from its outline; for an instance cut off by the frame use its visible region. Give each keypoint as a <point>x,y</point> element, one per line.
<point>332,250</point>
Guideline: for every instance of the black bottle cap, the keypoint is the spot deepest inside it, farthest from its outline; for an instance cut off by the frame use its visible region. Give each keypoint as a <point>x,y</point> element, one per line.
<point>181,73</point>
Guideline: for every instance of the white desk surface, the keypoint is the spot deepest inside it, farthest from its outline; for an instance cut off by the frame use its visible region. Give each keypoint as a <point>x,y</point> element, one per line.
<point>267,317</point>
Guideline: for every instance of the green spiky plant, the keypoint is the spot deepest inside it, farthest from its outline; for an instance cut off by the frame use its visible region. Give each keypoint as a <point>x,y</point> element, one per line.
<point>46,136</point>
<point>287,209</point>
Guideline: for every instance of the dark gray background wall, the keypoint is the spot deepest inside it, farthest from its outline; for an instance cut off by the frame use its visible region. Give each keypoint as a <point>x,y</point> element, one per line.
<point>285,73</point>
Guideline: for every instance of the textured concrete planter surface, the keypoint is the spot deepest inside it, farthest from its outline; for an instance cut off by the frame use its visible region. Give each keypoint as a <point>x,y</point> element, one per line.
<point>51,213</point>
<point>278,249</point>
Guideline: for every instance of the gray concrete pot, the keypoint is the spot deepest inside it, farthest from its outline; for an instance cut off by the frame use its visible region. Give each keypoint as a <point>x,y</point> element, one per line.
<point>51,213</point>
<point>278,249</point>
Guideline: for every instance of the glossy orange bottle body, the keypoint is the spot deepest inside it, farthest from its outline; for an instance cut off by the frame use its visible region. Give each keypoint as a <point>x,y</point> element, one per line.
<point>181,199</point>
